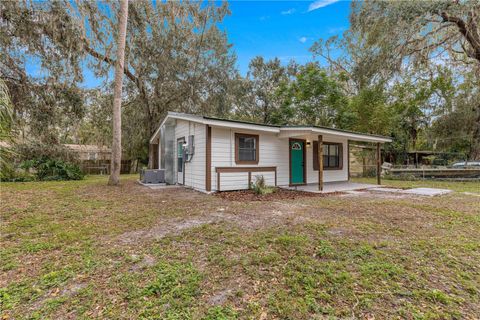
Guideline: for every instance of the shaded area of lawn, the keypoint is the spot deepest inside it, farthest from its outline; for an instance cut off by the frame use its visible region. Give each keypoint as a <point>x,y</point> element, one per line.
<point>84,250</point>
<point>459,186</point>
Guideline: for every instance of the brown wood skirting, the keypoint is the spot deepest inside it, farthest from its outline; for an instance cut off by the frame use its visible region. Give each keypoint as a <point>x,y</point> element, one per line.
<point>304,162</point>
<point>208,156</point>
<point>257,148</point>
<point>244,169</point>
<point>220,170</point>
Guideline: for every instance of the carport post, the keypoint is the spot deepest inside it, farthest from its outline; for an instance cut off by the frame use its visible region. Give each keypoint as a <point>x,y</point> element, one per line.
<point>320,162</point>
<point>379,158</point>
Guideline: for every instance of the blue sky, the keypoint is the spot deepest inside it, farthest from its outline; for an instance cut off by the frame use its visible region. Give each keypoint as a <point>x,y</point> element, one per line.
<point>283,29</point>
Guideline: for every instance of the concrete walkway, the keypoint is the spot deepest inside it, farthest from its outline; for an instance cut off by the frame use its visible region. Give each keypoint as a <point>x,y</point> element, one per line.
<point>328,187</point>
<point>157,186</point>
<point>430,192</point>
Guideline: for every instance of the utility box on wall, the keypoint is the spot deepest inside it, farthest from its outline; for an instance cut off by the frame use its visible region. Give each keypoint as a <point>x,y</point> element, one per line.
<point>190,148</point>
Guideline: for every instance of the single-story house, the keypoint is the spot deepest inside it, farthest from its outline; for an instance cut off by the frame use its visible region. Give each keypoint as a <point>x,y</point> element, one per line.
<point>211,154</point>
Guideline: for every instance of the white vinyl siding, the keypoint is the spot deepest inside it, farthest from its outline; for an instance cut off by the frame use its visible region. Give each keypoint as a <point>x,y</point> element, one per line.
<point>273,152</point>
<point>195,169</point>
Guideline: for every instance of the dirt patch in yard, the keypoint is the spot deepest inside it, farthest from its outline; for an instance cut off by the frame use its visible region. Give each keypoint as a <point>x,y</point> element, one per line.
<point>278,194</point>
<point>167,227</point>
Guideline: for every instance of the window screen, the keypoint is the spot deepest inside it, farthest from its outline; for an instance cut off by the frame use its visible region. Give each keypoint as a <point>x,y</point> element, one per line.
<point>246,148</point>
<point>331,156</point>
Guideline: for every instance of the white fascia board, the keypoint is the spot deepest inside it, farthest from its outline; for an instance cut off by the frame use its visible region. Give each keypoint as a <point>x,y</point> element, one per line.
<point>353,136</point>
<point>157,132</point>
<point>174,115</point>
<point>241,126</point>
<point>350,135</point>
<point>291,132</point>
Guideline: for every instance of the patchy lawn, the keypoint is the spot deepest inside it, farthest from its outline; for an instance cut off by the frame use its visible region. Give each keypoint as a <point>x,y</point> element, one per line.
<point>460,186</point>
<point>84,250</point>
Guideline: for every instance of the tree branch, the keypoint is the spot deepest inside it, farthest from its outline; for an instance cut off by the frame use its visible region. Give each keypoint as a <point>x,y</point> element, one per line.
<point>108,60</point>
<point>463,28</point>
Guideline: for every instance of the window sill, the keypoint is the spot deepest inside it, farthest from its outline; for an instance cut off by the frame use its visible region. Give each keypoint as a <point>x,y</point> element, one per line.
<point>246,162</point>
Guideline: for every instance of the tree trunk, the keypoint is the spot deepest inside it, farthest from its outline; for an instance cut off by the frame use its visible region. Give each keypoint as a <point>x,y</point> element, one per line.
<point>117,96</point>
<point>475,150</point>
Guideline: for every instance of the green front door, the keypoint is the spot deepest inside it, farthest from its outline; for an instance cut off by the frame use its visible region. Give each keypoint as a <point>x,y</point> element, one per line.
<point>297,162</point>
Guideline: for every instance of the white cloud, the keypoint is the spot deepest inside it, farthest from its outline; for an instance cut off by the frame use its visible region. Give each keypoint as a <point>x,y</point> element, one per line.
<point>336,30</point>
<point>303,39</point>
<point>320,4</point>
<point>289,11</point>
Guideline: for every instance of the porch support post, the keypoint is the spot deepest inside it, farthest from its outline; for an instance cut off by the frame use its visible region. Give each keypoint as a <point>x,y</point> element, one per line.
<point>320,162</point>
<point>208,159</point>
<point>348,159</point>
<point>379,158</point>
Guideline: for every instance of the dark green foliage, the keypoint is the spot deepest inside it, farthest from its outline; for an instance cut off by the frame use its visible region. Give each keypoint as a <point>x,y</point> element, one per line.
<point>411,72</point>
<point>50,169</point>
<point>403,69</point>
<point>257,94</point>
<point>177,59</point>
<point>37,161</point>
<point>35,151</point>
<point>8,172</point>
<point>313,98</point>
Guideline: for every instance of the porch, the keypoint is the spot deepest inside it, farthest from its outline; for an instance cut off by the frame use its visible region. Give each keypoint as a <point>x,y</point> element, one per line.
<point>329,187</point>
<point>325,162</point>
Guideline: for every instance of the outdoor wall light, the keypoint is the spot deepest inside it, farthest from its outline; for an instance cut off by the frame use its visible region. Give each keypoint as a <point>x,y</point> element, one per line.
<point>308,144</point>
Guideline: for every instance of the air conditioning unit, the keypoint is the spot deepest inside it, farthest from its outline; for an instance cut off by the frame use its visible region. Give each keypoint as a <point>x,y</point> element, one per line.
<point>153,176</point>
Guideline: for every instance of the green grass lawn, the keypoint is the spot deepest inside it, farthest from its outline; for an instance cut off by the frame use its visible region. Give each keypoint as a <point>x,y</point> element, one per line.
<point>81,249</point>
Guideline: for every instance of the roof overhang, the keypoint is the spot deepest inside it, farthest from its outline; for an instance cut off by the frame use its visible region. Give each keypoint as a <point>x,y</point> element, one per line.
<point>282,132</point>
<point>286,132</point>
<point>213,123</point>
<point>241,126</point>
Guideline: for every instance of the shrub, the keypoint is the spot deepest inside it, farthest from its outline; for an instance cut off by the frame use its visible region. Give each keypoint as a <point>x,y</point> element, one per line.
<point>37,161</point>
<point>260,186</point>
<point>50,169</point>
<point>8,172</point>
<point>36,151</point>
